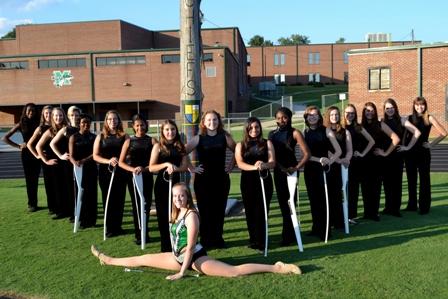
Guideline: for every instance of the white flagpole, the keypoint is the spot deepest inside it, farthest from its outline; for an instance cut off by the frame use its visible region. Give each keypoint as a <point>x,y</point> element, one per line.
<point>344,175</point>
<point>292,185</point>
<point>77,171</point>
<point>107,202</point>
<point>327,206</point>
<point>265,215</point>
<point>138,182</point>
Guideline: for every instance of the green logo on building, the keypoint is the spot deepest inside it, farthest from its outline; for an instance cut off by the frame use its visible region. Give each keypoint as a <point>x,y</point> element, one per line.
<point>61,78</point>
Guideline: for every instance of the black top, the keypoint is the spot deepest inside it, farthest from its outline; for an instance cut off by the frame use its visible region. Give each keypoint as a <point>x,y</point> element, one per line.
<point>424,130</point>
<point>255,152</point>
<point>284,146</point>
<point>382,141</point>
<point>27,128</point>
<point>359,142</point>
<point>341,138</point>
<point>212,152</point>
<point>63,142</point>
<point>172,156</point>
<point>111,146</point>
<point>139,151</point>
<point>83,145</point>
<point>317,141</point>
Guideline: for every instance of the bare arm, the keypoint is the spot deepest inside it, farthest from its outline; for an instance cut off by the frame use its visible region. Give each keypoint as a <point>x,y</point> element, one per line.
<point>40,148</point>
<point>370,144</point>
<point>55,140</point>
<point>395,141</point>
<point>415,135</point>
<point>303,148</point>
<point>122,160</point>
<point>440,129</point>
<point>7,137</point>
<point>337,149</point>
<point>154,166</point>
<point>192,144</point>
<point>71,147</point>
<point>30,145</point>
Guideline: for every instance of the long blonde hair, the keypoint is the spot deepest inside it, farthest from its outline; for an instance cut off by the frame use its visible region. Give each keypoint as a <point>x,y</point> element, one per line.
<point>190,205</point>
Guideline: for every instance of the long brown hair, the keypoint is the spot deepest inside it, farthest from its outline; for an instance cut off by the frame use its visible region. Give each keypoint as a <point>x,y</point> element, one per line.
<point>54,127</point>
<point>355,123</point>
<point>42,116</point>
<point>106,129</point>
<point>247,138</point>
<point>396,115</point>
<point>425,114</point>
<point>178,145</point>
<point>308,110</point>
<point>327,121</point>
<point>364,120</point>
<point>190,205</point>
<point>203,129</point>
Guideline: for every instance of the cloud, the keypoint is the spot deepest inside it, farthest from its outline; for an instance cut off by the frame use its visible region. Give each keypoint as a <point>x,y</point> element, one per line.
<point>6,25</point>
<point>36,4</point>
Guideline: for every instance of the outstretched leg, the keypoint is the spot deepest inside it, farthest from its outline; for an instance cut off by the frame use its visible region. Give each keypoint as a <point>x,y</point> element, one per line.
<point>212,267</point>
<point>164,260</point>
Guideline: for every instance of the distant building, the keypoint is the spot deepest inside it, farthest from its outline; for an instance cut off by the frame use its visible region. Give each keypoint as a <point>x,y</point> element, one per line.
<point>104,65</point>
<point>401,73</point>
<point>378,37</point>
<point>301,64</point>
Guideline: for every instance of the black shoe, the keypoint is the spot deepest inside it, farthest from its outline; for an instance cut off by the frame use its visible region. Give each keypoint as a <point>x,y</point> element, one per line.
<point>410,209</point>
<point>57,216</point>
<point>32,209</point>
<point>396,214</point>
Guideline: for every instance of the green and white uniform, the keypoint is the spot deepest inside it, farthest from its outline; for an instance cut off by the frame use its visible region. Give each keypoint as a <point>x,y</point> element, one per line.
<point>179,239</point>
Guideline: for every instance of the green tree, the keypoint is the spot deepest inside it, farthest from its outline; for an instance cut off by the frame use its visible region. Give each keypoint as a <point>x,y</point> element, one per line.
<point>341,40</point>
<point>258,40</point>
<point>294,39</point>
<point>10,34</point>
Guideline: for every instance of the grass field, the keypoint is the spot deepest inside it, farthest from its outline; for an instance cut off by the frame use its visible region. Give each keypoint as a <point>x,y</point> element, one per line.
<point>394,258</point>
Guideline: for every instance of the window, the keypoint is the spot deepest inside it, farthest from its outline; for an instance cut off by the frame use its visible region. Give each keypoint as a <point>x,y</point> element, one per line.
<point>120,60</point>
<point>210,71</point>
<point>13,65</point>
<point>379,78</point>
<point>61,63</point>
<point>207,57</point>
<point>313,58</point>
<point>314,77</point>
<point>171,58</point>
<point>248,60</point>
<point>345,57</point>
<point>279,59</point>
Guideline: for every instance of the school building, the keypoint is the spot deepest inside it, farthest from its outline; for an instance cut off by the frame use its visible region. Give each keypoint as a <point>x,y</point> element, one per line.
<point>401,73</point>
<point>104,65</point>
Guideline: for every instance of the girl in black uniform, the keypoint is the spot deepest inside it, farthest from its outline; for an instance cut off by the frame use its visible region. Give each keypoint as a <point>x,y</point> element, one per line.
<point>284,139</point>
<point>58,121</point>
<point>134,158</point>
<point>168,158</point>
<point>362,143</point>
<point>333,121</point>
<point>320,140</point>
<point>59,145</point>
<point>393,170</point>
<point>106,151</point>
<point>211,180</point>
<point>418,159</point>
<point>80,147</point>
<point>385,142</point>
<point>255,156</point>
<point>29,121</point>
<point>45,123</point>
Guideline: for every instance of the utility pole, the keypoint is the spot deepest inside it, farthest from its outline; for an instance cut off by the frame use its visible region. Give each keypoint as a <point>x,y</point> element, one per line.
<point>190,67</point>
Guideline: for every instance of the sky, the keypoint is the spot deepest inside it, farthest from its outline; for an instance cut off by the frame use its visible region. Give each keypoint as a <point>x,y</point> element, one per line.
<point>322,21</point>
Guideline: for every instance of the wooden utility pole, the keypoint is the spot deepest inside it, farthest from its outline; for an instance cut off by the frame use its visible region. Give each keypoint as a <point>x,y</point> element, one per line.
<point>190,66</point>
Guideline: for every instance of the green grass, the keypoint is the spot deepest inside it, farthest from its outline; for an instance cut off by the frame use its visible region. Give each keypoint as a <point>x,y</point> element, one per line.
<point>394,258</point>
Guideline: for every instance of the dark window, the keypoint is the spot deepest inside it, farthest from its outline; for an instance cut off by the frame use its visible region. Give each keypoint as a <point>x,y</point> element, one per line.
<point>120,60</point>
<point>100,61</point>
<point>175,58</point>
<point>61,63</point>
<point>13,65</point>
<point>207,57</point>
<point>379,78</point>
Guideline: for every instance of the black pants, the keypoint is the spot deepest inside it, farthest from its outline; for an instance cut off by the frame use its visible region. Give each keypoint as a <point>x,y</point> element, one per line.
<point>392,182</point>
<point>334,180</point>
<point>49,187</point>
<point>281,188</point>
<point>135,200</point>
<point>117,197</point>
<point>316,193</point>
<point>67,199</point>
<point>31,168</point>
<point>252,195</point>
<point>89,206</point>
<point>418,161</point>
<point>161,197</point>
<point>371,185</point>
<point>211,192</point>
<point>355,174</point>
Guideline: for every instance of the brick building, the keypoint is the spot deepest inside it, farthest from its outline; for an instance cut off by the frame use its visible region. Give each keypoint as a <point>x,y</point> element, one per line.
<point>401,73</point>
<point>104,65</point>
<point>294,64</point>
